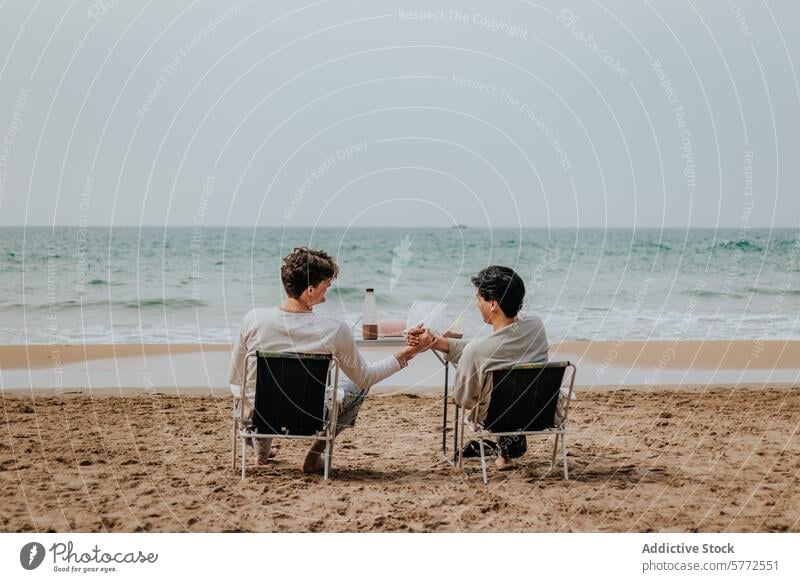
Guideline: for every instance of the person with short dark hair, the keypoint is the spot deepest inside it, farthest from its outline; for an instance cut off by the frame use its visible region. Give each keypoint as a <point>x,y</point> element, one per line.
<point>294,327</point>
<point>516,338</point>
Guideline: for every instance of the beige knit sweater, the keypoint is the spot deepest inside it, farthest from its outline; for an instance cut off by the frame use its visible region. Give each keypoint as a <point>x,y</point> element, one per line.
<point>521,342</point>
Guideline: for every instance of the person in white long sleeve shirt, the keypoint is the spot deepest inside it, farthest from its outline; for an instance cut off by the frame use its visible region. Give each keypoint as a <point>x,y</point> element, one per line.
<point>306,275</point>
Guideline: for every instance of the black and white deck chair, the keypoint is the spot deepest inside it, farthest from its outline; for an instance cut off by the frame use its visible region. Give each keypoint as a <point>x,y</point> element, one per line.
<point>525,402</point>
<point>290,401</point>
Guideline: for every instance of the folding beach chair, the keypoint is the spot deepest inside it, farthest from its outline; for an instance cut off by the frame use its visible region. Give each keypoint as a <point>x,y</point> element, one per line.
<point>524,401</point>
<point>289,401</point>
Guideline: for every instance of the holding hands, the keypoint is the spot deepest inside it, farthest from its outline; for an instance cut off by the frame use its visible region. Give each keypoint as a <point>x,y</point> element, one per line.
<point>423,336</point>
<point>421,342</point>
<point>420,339</point>
<point>420,336</point>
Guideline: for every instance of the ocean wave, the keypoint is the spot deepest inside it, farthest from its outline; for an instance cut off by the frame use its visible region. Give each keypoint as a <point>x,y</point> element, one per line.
<point>711,294</point>
<point>782,243</point>
<point>177,302</point>
<point>742,245</point>
<point>762,291</point>
<point>348,291</point>
<point>649,244</point>
<point>356,294</point>
<point>174,303</point>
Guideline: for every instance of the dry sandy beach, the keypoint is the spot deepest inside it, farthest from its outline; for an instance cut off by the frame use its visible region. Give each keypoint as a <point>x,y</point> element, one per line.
<point>707,460</point>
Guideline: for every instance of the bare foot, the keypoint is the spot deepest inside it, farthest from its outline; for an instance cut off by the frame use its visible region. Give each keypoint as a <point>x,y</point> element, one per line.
<point>273,452</point>
<point>503,464</point>
<point>314,461</point>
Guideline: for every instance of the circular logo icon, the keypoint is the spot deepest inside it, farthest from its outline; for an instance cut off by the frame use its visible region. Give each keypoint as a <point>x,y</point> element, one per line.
<point>31,555</point>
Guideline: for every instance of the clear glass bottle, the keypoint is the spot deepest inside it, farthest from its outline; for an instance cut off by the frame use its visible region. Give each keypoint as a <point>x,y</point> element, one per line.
<point>369,316</point>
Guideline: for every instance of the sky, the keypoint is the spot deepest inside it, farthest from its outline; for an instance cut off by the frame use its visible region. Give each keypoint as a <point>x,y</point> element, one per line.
<point>340,113</point>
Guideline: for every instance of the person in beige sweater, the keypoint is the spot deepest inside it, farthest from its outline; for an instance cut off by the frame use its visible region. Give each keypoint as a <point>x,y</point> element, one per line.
<point>516,337</point>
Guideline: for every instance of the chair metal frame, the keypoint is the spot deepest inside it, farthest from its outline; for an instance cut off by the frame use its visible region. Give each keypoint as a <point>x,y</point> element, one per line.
<point>240,424</point>
<point>559,431</point>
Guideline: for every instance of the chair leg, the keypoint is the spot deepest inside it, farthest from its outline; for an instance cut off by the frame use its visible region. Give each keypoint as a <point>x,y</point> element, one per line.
<point>461,444</point>
<point>564,455</point>
<point>328,453</point>
<point>483,463</point>
<point>555,450</point>
<point>233,444</point>
<point>244,460</point>
<point>455,435</point>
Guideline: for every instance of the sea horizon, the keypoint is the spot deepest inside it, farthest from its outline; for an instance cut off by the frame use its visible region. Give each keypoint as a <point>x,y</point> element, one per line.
<point>206,226</point>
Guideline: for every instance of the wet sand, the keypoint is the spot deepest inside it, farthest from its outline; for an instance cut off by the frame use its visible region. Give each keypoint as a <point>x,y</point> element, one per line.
<point>640,460</point>
<point>675,354</point>
<point>185,368</point>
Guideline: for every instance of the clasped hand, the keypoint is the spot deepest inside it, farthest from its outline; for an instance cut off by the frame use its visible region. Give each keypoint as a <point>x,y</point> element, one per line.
<point>420,337</point>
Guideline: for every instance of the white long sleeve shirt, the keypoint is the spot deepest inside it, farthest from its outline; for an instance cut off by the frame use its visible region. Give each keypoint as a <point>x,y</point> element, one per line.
<point>275,330</point>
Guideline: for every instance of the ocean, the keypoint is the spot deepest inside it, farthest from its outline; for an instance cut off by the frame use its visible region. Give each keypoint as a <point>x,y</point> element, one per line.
<point>187,285</point>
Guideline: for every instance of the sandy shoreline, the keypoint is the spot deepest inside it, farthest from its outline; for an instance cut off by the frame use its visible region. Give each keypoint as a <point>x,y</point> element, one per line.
<point>41,356</point>
<point>665,460</point>
<point>202,369</point>
<point>706,354</point>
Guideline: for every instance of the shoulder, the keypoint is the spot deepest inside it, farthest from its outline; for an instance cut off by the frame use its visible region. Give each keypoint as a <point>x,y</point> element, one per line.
<point>532,326</point>
<point>339,334</point>
<point>257,317</point>
<point>529,317</point>
<point>343,329</point>
<point>530,321</point>
<point>327,322</point>
<point>259,314</point>
<point>478,347</point>
<point>329,326</point>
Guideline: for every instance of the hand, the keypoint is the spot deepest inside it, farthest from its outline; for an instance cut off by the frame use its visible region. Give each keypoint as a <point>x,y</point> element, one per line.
<point>413,334</point>
<point>420,339</point>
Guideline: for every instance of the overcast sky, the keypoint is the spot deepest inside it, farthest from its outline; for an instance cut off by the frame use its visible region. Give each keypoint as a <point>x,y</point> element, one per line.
<point>286,113</point>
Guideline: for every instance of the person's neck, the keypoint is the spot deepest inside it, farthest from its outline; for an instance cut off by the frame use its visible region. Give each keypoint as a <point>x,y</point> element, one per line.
<point>296,305</point>
<point>500,321</point>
